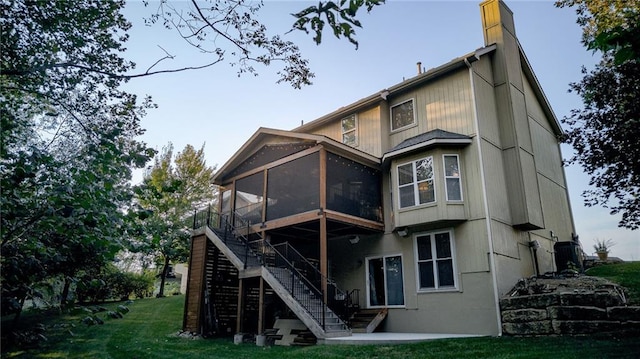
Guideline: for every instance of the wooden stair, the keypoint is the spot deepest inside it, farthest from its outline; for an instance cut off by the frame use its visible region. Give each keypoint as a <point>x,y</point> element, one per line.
<point>306,305</point>
<point>367,320</point>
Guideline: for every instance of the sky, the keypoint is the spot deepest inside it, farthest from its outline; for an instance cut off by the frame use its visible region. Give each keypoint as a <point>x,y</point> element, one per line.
<point>221,110</point>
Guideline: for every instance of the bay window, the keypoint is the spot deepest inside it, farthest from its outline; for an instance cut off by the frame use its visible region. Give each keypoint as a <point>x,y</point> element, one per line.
<point>452,178</point>
<point>416,183</point>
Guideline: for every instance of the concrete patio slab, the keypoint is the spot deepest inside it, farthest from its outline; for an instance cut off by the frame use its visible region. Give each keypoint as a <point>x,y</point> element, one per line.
<point>391,338</point>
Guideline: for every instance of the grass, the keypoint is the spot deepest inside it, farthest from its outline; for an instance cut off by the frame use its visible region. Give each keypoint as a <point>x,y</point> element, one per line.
<point>148,331</point>
<point>626,274</point>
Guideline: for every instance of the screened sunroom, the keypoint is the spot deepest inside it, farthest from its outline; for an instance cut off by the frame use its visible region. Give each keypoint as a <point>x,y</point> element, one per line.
<point>302,189</point>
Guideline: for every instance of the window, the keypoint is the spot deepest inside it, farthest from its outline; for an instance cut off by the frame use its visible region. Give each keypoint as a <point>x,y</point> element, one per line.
<point>385,283</point>
<point>452,178</point>
<point>435,261</point>
<point>349,126</point>
<point>402,115</point>
<point>415,183</point>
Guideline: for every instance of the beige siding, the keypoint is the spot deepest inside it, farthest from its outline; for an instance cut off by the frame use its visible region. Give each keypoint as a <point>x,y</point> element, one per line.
<point>368,131</point>
<point>531,187</point>
<point>332,130</point>
<point>534,109</point>
<point>487,112</point>
<point>444,104</point>
<point>369,135</point>
<point>496,183</point>
<point>547,153</point>
<point>468,309</point>
<point>555,204</point>
<point>522,122</point>
<point>473,193</point>
<point>472,247</point>
<point>506,240</point>
<point>544,254</point>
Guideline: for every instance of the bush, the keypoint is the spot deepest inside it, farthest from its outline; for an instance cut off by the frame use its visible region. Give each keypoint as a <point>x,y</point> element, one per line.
<point>112,283</point>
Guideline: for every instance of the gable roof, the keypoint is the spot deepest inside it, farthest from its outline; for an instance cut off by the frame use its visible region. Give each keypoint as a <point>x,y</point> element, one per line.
<point>429,75</point>
<point>266,135</point>
<point>427,139</point>
<point>409,83</point>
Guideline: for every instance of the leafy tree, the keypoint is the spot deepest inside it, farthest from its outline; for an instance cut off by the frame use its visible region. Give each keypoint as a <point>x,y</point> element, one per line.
<point>68,132</point>
<point>171,190</point>
<point>604,134</point>
<point>610,26</point>
<point>230,30</point>
<point>68,141</point>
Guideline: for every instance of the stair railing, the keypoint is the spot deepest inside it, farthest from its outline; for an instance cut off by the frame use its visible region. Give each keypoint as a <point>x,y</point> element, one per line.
<point>282,256</point>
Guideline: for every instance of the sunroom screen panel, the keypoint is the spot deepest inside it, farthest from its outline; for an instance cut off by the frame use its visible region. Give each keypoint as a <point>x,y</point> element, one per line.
<point>249,197</point>
<point>353,188</point>
<point>293,187</point>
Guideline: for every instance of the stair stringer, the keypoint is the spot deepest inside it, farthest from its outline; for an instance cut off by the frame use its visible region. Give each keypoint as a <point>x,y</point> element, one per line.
<point>213,237</point>
<point>278,288</point>
<point>298,309</point>
<point>377,320</point>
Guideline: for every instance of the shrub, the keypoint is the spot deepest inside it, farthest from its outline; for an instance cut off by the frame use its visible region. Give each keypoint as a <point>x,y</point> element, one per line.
<point>112,283</point>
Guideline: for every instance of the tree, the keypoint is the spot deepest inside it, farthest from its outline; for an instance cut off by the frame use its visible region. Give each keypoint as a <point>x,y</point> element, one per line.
<point>170,192</point>
<point>68,133</point>
<point>226,29</point>
<point>604,133</point>
<point>68,141</point>
<point>609,26</point>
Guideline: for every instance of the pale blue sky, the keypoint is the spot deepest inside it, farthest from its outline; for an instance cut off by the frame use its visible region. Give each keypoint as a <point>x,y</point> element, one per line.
<point>216,106</point>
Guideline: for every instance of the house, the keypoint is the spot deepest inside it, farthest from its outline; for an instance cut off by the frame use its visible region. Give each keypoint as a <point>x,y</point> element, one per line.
<point>423,204</point>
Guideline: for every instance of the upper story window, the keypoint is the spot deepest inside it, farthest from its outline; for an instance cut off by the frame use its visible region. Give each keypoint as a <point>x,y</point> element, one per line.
<point>416,183</point>
<point>435,260</point>
<point>402,115</point>
<point>349,128</point>
<point>452,177</point>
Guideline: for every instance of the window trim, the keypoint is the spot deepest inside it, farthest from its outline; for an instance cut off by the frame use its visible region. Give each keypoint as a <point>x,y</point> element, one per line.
<point>412,124</point>
<point>354,130</point>
<point>444,174</point>
<point>368,284</point>
<point>452,244</point>
<point>416,193</point>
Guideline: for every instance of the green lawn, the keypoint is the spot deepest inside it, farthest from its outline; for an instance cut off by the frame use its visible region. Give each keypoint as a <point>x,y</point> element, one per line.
<point>626,274</point>
<point>148,331</point>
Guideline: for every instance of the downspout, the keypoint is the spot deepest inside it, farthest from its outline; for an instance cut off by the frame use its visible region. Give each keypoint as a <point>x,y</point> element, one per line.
<point>492,262</point>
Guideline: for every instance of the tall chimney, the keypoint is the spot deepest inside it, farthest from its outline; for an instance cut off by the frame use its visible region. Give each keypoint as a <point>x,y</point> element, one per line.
<point>419,64</point>
<point>513,121</point>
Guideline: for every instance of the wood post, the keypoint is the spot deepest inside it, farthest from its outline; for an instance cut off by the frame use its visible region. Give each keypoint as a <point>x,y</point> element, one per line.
<point>261,308</point>
<point>240,312</point>
<point>323,222</point>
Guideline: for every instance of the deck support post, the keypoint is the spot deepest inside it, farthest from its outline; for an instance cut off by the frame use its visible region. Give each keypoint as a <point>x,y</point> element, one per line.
<point>240,312</point>
<point>261,308</point>
<point>323,222</point>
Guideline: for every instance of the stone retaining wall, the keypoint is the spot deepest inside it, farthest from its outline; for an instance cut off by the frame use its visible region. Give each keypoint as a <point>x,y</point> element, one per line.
<point>568,313</point>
